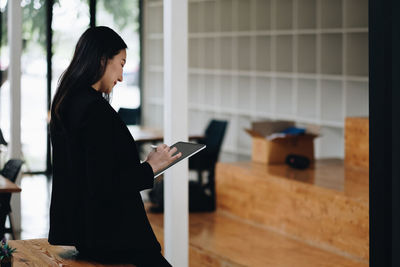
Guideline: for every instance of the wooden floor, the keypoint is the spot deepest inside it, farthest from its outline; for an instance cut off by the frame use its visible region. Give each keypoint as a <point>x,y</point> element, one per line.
<point>277,216</point>
<point>219,239</point>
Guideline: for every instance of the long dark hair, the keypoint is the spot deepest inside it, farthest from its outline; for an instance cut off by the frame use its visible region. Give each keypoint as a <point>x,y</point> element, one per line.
<point>95,47</point>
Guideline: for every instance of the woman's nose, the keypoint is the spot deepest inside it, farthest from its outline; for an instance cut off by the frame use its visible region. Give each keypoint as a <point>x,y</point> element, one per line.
<point>120,78</point>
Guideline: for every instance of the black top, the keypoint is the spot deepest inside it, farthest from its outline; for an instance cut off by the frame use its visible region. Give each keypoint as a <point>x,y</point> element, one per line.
<point>97,179</point>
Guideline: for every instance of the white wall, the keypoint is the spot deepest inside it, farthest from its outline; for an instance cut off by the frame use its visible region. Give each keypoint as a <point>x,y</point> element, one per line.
<point>304,60</point>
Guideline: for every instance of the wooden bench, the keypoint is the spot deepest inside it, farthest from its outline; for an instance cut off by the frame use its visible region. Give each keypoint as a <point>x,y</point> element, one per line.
<point>38,252</point>
<point>326,205</point>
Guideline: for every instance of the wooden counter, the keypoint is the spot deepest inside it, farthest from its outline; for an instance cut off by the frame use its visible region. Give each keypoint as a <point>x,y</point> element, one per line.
<point>326,205</point>
<point>39,253</point>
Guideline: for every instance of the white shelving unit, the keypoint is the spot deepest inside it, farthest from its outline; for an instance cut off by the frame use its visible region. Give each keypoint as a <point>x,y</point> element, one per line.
<point>303,60</point>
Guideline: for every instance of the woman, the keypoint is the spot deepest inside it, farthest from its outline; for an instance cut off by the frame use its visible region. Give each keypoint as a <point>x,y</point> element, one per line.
<point>97,175</point>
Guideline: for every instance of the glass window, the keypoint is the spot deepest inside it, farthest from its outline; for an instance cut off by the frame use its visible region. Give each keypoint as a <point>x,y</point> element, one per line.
<point>4,89</point>
<point>123,17</point>
<point>33,83</point>
<point>70,19</point>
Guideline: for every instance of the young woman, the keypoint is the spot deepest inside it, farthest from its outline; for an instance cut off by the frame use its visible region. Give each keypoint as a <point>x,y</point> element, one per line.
<point>97,175</point>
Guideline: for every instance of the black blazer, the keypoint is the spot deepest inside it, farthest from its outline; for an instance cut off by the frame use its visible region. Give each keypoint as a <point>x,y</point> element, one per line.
<point>97,179</point>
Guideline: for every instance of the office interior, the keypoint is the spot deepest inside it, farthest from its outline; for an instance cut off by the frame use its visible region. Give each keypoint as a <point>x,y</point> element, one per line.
<point>304,61</point>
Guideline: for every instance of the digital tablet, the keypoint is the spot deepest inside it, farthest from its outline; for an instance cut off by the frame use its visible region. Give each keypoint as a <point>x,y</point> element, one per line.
<point>187,149</point>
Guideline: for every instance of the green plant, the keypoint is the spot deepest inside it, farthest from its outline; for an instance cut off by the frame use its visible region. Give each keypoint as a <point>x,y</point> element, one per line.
<point>5,250</point>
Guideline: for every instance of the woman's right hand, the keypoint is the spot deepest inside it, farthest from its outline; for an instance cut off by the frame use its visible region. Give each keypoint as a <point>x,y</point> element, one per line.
<point>161,157</point>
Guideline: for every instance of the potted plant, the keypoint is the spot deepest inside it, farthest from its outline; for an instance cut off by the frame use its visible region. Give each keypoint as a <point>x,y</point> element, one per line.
<point>6,252</point>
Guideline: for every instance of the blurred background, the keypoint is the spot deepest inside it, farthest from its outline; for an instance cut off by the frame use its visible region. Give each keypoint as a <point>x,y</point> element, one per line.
<point>304,61</point>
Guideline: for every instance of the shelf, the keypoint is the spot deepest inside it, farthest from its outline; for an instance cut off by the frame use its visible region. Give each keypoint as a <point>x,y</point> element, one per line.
<point>244,53</point>
<point>331,142</point>
<point>154,85</point>
<point>219,110</point>
<point>263,15</point>
<point>154,68</point>
<point>301,60</point>
<point>284,96</point>
<point>231,135</point>
<point>356,78</point>
<point>225,85</point>
<point>153,114</point>
<point>357,99</point>
<point>284,53</point>
<point>331,53</point>
<point>225,15</point>
<point>226,52</point>
<point>306,14</point>
<point>356,13</point>
<point>243,138</point>
<point>251,114</point>
<point>306,57</point>
<point>263,52</point>
<point>269,74</point>
<point>356,53</point>
<point>237,151</point>
<point>154,3</point>
<point>263,95</point>
<point>208,53</point>
<point>154,53</point>
<point>208,94</point>
<point>331,13</point>
<point>155,36</point>
<point>243,93</point>
<point>194,55</point>
<point>155,101</point>
<point>199,35</point>
<point>195,17</point>
<point>203,53</point>
<point>243,15</point>
<point>300,121</point>
<point>194,118</point>
<point>284,17</point>
<point>332,101</point>
<point>193,88</point>
<point>200,1</point>
<point>307,98</point>
<point>154,21</point>
<point>207,16</point>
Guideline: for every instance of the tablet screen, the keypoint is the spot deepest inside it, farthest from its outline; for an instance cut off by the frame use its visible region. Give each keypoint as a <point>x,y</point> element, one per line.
<point>187,149</point>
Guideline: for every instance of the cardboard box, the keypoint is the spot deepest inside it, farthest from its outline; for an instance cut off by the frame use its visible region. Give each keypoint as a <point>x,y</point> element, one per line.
<point>276,150</point>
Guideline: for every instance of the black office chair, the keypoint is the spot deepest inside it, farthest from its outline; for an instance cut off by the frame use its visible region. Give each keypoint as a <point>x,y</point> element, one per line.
<point>130,116</point>
<point>10,171</point>
<point>206,159</point>
<point>2,150</point>
<point>201,196</point>
<point>2,140</point>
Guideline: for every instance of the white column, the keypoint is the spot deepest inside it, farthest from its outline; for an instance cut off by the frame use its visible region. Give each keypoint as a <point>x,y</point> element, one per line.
<point>15,44</point>
<point>176,233</point>
<point>14,75</point>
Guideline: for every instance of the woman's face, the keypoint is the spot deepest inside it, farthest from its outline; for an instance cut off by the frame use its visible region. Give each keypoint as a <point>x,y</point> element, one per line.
<point>113,73</point>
